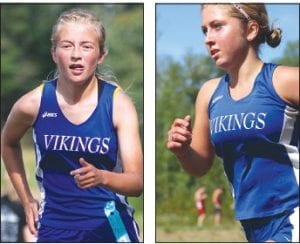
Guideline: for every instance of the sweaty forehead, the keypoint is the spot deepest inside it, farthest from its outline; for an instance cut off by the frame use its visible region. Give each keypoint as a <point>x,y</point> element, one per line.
<point>212,12</point>
<point>74,30</point>
<point>76,26</point>
<point>213,9</point>
<point>216,6</point>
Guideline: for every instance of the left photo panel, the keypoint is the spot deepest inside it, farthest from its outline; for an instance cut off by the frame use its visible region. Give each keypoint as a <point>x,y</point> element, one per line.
<point>72,122</point>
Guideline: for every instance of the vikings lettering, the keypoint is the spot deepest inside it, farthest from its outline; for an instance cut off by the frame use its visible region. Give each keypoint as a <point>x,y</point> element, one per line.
<point>77,144</point>
<point>242,121</point>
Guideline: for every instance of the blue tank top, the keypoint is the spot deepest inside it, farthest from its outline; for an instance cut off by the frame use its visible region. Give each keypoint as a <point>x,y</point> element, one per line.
<point>59,144</point>
<point>258,139</point>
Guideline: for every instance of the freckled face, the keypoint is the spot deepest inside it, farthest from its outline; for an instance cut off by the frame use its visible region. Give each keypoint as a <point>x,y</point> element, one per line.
<point>77,52</point>
<point>224,37</point>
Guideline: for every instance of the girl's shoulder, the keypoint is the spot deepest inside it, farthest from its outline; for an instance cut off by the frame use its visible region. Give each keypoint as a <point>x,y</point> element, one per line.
<point>28,105</point>
<point>211,84</point>
<point>286,73</point>
<point>286,83</point>
<point>208,88</point>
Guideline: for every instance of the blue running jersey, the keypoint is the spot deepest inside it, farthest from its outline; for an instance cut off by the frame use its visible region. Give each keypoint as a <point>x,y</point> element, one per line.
<point>258,139</point>
<point>59,144</point>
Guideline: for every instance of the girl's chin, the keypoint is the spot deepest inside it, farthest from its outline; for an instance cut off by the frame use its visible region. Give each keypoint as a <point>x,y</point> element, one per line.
<point>221,64</point>
<point>78,80</point>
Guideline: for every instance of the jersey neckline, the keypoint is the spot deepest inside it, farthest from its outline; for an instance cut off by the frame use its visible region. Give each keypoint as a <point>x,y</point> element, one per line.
<point>248,96</point>
<point>99,92</point>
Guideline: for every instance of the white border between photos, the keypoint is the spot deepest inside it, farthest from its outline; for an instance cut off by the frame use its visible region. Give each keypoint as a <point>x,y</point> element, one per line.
<point>149,122</point>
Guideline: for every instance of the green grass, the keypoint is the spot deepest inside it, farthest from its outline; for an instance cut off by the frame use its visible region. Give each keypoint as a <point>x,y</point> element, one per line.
<point>137,204</point>
<point>169,229</point>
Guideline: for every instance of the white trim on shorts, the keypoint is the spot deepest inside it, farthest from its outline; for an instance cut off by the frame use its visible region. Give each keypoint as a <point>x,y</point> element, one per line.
<point>294,220</point>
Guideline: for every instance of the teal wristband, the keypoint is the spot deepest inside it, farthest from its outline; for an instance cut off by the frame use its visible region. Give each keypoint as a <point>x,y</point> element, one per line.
<point>116,222</point>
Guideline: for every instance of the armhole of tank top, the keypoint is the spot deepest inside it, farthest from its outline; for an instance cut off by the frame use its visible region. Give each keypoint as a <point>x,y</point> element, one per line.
<point>41,88</point>
<point>116,91</point>
<point>273,90</point>
<point>215,91</point>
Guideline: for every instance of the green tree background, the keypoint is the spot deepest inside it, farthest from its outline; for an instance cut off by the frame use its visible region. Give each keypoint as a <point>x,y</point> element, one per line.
<point>177,85</point>
<point>26,59</point>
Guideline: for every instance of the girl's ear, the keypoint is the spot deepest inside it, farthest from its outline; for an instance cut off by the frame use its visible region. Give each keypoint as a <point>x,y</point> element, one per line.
<point>101,58</point>
<point>253,29</point>
<point>53,54</point>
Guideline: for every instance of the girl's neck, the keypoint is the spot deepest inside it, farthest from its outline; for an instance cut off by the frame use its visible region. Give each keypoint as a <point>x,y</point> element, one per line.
<point>74,93</point>
<point>246,71</point>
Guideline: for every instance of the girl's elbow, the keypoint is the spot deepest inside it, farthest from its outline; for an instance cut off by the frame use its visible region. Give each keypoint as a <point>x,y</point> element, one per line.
<point>138,189</point>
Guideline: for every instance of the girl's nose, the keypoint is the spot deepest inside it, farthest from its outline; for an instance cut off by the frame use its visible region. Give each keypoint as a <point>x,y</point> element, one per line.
<point>209,38</point>
<point>76,53</point>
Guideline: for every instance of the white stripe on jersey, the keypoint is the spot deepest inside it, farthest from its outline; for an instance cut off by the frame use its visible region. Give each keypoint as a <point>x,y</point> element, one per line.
<point>39,173</point>
<point>294,219</point>
<point>290,116</point>
<point>119,165</point>
<point>119,169</point>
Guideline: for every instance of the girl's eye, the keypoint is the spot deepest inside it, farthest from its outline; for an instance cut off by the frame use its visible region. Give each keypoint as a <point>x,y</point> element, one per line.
<point>204,30</point>
<point>217,26</point>
<point>66,46</point>
<point>87,47</point>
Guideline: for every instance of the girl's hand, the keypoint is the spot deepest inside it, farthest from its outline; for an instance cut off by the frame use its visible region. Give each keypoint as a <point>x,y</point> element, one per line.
<point>32,215</point>
<point>180,136</point>
<point>86,176</point>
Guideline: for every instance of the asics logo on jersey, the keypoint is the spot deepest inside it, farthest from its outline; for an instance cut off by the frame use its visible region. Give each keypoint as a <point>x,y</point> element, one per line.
<point>242,121</point>
<point>49,115</point>
<point>217,99</point>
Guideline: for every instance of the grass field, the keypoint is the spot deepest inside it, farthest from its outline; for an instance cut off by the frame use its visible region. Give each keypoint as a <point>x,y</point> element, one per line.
<point>224,233</point>
<point>192,234</point>
<point>175,228</point>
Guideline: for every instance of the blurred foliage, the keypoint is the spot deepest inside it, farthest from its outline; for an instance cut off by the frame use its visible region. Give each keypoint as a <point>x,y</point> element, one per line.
<point>25,48</point>
<point>177,85</point>
<point>291,56</point>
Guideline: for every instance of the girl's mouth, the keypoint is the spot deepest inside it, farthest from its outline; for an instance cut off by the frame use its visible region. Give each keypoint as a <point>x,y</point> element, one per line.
<point>77,69</point>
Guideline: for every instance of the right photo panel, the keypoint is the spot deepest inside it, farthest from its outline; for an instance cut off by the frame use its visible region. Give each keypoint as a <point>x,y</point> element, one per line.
<point>227,122</point>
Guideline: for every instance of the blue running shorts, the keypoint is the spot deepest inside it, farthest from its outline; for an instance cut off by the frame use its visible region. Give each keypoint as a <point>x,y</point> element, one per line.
<point>279,228</point>
<point>103,233</point>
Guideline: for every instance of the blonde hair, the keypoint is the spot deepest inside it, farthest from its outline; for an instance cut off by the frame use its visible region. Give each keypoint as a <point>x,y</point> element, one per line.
<point>258,13</point>
<point>80,16</point>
